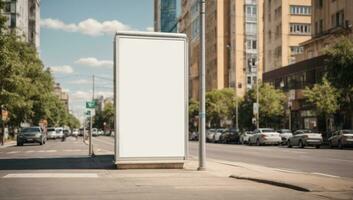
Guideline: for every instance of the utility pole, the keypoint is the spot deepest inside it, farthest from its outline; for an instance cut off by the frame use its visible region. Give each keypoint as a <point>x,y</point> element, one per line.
<point>257,66</point>
<point>202,113</point>
<point>91,121</point>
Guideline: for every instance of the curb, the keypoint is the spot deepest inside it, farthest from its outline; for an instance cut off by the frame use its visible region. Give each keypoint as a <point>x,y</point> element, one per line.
<point>273,182</point>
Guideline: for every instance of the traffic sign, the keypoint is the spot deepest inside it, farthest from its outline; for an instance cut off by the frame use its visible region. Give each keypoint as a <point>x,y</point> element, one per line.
<point>91,104</point>
<point>255,108</point>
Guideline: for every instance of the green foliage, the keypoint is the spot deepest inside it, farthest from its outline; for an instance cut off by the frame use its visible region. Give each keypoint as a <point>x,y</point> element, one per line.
<point>219,106</point>
<point>106,116</point>
<point>271,108</point>
<point>26,88</point>
<point>324,97</point>
<point>193,113</point>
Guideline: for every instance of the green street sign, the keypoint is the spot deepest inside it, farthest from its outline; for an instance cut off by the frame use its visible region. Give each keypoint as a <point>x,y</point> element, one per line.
<point>90,104</point>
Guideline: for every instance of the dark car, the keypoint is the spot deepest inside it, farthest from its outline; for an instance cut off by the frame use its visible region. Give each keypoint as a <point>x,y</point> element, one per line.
<point>31,135</point>
<point>230,136</point>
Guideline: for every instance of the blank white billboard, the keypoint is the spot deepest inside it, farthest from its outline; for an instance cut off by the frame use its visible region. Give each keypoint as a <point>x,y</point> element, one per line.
<point>151,96</point>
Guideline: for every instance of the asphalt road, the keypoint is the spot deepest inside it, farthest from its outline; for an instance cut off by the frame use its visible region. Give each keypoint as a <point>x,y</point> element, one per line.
<point>329,162</point>
<point>62,170</point>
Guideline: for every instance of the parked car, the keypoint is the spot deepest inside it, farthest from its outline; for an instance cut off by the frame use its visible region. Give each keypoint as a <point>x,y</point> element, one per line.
<point>264,136</point>
<point>218,134</point>
<point>210,135</point>
<point>304,138</point>
<point>285,135</point>
<point>107,133</point>
<point>244,137</point>
<point>75,132</point>
<point>67,132</point>
<point>81,132</point>
<point>230,136</point>
<point>100,132</point>
<point>51,133</point>
<point>94,132</point>
<point>31,135</point>
<point>59,132</point>
<point>341,139</point>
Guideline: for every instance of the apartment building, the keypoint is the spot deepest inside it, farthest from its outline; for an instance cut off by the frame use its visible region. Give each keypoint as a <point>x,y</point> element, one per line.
<point>287,24</point>
<point>63,96</point>
<point>330,20</point>
<point>24,17</point>
<point>165,16</point>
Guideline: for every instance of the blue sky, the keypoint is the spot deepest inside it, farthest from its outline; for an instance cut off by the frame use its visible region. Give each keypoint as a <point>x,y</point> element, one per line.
<point>76,41</point>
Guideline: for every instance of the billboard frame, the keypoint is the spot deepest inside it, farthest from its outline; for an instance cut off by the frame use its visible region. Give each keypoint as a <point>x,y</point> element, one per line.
<point>160,159</point>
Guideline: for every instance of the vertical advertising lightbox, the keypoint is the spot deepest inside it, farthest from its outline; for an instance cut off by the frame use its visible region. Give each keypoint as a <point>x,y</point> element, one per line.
<point>151,98</point>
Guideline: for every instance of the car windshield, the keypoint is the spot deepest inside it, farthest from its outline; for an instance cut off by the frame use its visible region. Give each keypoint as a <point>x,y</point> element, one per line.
<point>306,131</point>
<point>347,131</point>
<point>285,131</point>
<point>267,130</point>
<point>58,130</point>
<point>51,129</point>
<point>27,130</point>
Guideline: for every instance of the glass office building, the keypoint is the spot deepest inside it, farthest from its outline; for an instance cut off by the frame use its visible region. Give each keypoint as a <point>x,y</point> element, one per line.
<point>168,16</point>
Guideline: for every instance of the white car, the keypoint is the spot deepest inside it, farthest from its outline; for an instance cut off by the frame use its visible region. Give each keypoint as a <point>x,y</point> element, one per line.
<point>285,135</point>
<point>304,138</point>
<point>210,135</point>
<point>341,139</point>
<point>94,132</point>
<point>217,135</point>
<point>51,133</point>
<point>59,132</point>
<point>264,136</point>
<point>75,132</point>
<point>244,137</point>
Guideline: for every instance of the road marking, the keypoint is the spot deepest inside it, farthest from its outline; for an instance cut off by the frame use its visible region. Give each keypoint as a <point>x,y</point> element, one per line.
<point>73,150</point>
<point>12,152</point>
<point>51,151</point>
<point>52,175</point>
<point>328,175</point>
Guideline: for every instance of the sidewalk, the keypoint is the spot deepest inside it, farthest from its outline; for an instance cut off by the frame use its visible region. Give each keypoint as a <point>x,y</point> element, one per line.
<point>329,187</point>
<point>8,143</point>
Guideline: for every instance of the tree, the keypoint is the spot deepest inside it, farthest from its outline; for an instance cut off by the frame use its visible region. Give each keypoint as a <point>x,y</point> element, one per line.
<point>193,113</point>
<point>324,97</point>
<point>271,108</point>
<point>105,117</point>
<point>219,106</point>
<point>340,72</point>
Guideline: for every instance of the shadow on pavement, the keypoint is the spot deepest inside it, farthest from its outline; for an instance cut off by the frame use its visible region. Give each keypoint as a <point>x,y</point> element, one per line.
<point>98,162</point>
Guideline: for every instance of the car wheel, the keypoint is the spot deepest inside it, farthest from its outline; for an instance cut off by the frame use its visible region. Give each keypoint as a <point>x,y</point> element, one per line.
<point>340,145</point>
<point>289,145</point>
<point>317,146</point>
<point>301,144</point>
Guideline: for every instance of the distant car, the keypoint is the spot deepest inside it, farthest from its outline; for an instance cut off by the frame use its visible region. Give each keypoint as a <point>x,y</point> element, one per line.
<point>264,136</point>
<point>81,132</point>
<point>193,136</point>
<point>107,133</point>
<point>210,135</point>
<point>244,137</point>
<point>100,132</point>
<point>218,134</point>
<point>31,135</point>
<point>67,132</point>
<point>51,133</point>
<point>341,139</point>
<point>75,132</point>
<point>285,135</point>
<point>94,132</point>
<point>304,138</point>
<point>59,132</point>
<point>230,136</point>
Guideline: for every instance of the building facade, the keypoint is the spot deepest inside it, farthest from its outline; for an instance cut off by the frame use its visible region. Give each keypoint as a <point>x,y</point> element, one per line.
<point>63,96</point>
<point>330,20</point>
<point>233,43</point>
<point>286,25</point>
<point>165,16</point>
<point>24,18</point>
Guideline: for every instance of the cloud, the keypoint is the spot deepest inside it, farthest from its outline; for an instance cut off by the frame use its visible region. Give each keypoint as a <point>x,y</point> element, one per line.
<point>150,29</point>
<point>80,81</point>
<point>65,69</point>
<point>89,26</point>
<point>94,62</point>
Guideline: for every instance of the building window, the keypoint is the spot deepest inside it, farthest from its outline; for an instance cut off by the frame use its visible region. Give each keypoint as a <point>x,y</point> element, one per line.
<point>13,21</point>
<point>300,10</point>
<point>294,50</point>
<point>321,26</point>
<point>302,29</point>
<point>251,44</point>
<point>278,12</point>
<point>319,3</point>
<point>250,28</point>
<point>278,51</point>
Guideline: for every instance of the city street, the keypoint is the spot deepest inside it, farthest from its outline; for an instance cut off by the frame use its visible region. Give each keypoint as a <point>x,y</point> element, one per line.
<point>62,170</point>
